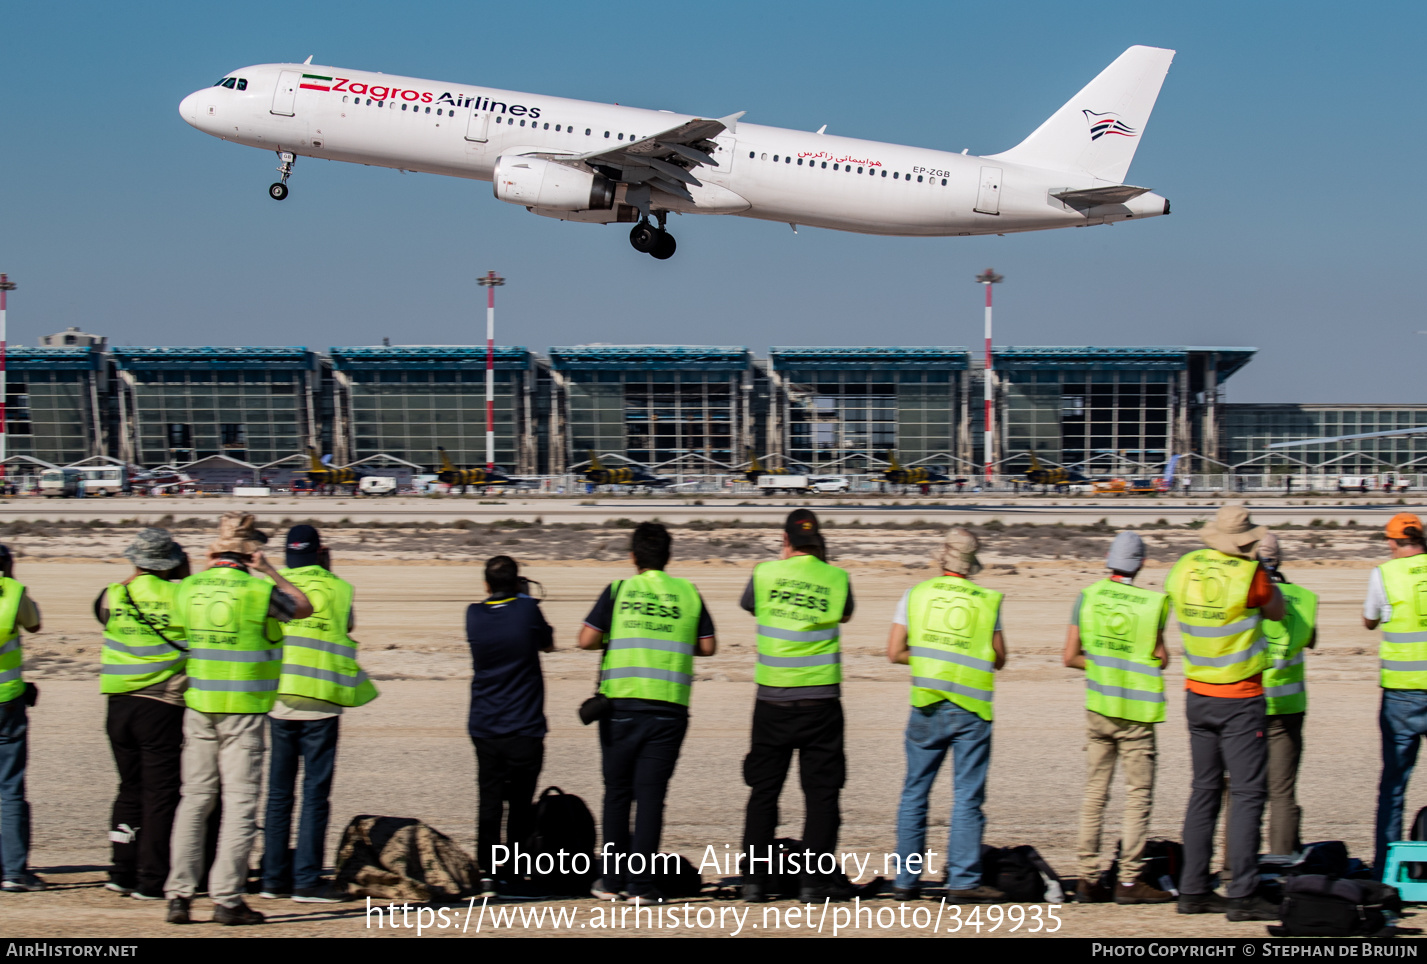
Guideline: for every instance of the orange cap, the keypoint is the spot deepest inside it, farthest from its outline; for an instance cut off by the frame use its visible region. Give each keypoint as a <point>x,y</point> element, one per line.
<point>1398,525</point>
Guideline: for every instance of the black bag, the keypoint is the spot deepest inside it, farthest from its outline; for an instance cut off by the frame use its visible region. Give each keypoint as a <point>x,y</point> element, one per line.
<point>682,881</point>
<point>778,884</point>
<point>1012,871</point>
<point>562,822</point>
<point>599,706</point>
<point>1315,905</point>
<point>1327,857</point>
<point>1164,859</point>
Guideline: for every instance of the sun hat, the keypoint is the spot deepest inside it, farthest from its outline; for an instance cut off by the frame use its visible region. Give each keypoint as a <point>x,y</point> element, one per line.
<point>155,550</point>
<point>958,553</point>
<point>238,533</point>
<point>1232,532</point>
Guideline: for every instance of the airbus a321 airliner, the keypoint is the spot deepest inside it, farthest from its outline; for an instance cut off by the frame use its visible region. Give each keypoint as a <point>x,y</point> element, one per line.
<point>605,163</point>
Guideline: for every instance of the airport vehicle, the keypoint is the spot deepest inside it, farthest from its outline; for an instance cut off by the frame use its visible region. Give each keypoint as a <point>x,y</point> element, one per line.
<point>597,474</point>
<point>323,475</point>
<point>897,474</point>
<point>452,476</point>
<point>377,485</point>
<point>607,163</point>
<point>778,484</point>
<point>103,479</point>
<point>61,483</point>
<point>1357,483</point>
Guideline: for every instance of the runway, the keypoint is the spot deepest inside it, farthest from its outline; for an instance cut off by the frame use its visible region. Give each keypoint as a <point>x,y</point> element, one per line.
<point>573,510</point>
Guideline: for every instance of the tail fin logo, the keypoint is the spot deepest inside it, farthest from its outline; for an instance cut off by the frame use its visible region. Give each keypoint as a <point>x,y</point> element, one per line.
<point>1107,123</point>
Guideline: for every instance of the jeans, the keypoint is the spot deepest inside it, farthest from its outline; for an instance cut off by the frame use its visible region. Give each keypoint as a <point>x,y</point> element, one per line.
<point>1225,734</point>
<point>1403,721</point>
<point>931,732</point>
<point>507,769</point>
<point>314,742</point>
<point>14,808</point>
<point>640,749</point>
<point>146,736</point>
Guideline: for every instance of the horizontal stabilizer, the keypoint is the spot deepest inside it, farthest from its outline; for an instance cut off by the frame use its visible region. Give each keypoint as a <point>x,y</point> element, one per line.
<point>1096,131</point>
<point>1085,198</point>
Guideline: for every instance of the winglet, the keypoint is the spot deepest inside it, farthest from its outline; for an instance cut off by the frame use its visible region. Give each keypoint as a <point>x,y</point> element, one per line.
<point>730,123</point>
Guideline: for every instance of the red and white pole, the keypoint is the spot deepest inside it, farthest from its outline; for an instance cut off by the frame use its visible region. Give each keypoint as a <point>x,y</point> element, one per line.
<point>988,437</point>
<point>490,281</point>
<point>6,286</point>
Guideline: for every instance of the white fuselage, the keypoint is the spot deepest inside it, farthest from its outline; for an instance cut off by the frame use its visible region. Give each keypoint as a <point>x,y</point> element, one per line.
<point>798,177</point>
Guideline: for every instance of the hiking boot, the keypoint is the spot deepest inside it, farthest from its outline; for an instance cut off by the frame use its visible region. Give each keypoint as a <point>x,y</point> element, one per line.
<point>603,891</point>
<point>239,913</point>
<point>1210,903</point>
<point>814,892</point>
<point>178,911</point>
<point>980,894</point>
<point>22,883</point>
<point>1091,892</point>
<point>913,892</point>
<point>753,892</point>
<point>1140,892</point>
<point>1251,908</point>
<point>327,893</point>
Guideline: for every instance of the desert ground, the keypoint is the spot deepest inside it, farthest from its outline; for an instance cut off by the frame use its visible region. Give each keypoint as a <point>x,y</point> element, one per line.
<point>408,754</point>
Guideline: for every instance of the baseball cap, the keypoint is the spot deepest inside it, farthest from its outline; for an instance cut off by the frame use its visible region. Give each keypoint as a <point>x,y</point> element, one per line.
<point>304,547</point>
<point>802,529</point>
<point>1398,525</point>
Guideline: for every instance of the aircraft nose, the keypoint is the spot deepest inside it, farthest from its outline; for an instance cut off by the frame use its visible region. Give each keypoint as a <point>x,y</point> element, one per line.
<point>188,108</point>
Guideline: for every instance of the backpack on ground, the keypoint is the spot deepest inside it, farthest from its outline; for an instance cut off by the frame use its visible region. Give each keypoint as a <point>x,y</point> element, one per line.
<point>401,858</point>
<point>1164,859</point>
<point>562,822</point>
<point>678,877</point>
<point>1315,905</point>
<point>1012,871</point>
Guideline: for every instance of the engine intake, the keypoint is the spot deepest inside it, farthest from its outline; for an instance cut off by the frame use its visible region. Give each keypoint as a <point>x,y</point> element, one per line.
<point>535,182</point>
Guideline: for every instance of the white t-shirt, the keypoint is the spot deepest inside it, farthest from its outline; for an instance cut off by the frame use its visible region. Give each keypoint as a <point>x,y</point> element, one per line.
<point>900,618</point>
<point>1376,605</point>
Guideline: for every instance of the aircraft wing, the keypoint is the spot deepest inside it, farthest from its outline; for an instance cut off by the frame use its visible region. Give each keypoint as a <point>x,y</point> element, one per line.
<point>665,160</point>
<point>1398,433</point>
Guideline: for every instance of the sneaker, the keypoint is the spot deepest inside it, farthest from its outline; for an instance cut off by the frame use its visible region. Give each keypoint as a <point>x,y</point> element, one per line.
<point>178,911</point>
<point>23,883</point>
<point>1210,903</point>
<point>980,894</point>
<point>1140,892</point>
<point>754,892</point>
<point>652,896</point>
<point>602,890</point>
<point>834,889</point>
<point>118,888</point>
<point>326,894</point>
<point>913,892</point>
<point>1251,908</point>
<point>140,895</point>
<point>275,893</point>
<point>238,914</point>
<point>1092,892</point>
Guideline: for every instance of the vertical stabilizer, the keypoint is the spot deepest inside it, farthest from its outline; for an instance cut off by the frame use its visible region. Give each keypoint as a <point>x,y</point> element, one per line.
<point>1098,129</point>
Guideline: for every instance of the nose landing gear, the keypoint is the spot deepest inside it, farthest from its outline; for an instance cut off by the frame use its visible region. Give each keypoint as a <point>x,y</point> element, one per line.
<point>647,239</point>
<point>278,189</point>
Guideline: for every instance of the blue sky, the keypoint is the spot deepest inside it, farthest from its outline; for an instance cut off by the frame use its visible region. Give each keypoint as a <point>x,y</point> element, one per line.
<point>1288,137</point>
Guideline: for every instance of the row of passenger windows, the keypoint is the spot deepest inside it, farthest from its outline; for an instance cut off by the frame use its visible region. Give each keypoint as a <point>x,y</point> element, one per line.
<point>896,175</point>
<point>233,83</point>
<point>416,108</point>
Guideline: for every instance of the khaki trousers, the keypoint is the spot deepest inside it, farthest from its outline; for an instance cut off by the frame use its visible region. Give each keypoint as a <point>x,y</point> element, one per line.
<point>1285,751</point>
<point>222,753</point>
<point>1133,744</point>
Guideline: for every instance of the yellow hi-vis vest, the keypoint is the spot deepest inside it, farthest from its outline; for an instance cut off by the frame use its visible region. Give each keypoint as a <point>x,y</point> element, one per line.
<point>950,625</point>
<point>1403,654</point>
<point>134,655</point>
<point>1283,681</point>
<point>799,602</point>
<point>11,656</point>
<point>1119,627</point>
<point>1223,638</point>
<point>319,659</point>
<point>234,649</point>
<point>653,631</point>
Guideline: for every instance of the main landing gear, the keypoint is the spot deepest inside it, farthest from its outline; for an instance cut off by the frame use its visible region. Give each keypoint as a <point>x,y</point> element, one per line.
<point>278,189</point>
<point>647,239</point>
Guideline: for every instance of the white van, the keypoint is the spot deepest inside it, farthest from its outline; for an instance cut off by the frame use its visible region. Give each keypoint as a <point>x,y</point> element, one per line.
<point>61,483</point>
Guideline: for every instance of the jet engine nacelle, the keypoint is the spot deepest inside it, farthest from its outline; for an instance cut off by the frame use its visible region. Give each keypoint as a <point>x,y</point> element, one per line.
<point>534,182</point>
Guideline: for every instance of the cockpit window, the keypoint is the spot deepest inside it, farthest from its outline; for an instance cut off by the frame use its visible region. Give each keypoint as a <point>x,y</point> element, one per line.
<point>242,84</point>
<point>230,83</point>
<point>221,81</point>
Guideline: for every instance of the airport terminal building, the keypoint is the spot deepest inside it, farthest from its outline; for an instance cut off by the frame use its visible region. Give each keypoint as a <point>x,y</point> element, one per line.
<point>682,410</point>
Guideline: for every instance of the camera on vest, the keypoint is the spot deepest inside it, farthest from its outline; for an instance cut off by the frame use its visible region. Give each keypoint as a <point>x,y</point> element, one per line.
<point>952,616</point>
<point>1119,622</point>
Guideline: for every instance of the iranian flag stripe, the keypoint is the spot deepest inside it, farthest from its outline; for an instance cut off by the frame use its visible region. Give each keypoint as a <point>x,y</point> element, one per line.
<point>309,82</point>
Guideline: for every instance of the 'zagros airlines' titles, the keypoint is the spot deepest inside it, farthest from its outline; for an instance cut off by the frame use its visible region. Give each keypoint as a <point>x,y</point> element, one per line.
<point>383,92</point>
<point>840,160</point>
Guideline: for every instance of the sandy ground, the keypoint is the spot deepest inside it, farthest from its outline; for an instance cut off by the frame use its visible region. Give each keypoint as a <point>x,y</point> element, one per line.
<point>408,754</point>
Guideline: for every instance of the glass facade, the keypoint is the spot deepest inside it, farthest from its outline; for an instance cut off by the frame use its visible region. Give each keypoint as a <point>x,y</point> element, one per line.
<point>50,404</point>
<point>1250,429</point>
